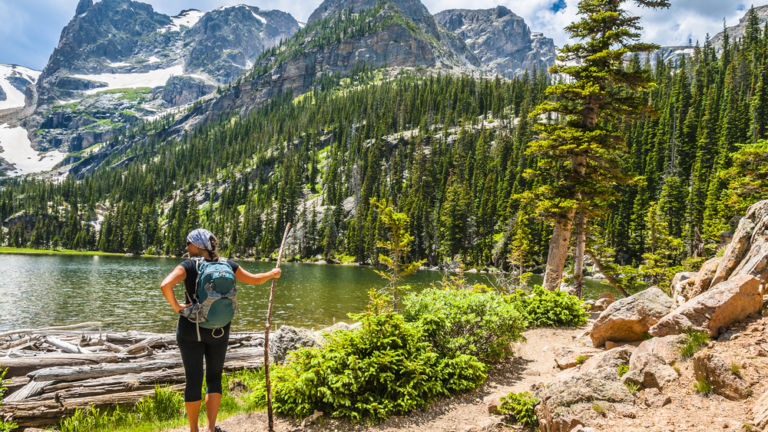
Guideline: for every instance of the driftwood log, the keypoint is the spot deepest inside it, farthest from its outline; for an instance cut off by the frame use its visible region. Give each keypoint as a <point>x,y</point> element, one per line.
<point>54,371</point>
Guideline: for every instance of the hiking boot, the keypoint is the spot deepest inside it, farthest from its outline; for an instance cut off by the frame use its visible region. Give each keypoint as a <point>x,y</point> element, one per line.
<point>218,429</point>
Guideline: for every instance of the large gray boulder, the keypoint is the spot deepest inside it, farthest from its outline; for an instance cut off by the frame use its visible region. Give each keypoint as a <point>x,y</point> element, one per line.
<point>728,302</point>
<point>289,338</point>
<point>648,370</point>
<point>567,404</point>
<point>747,253</point>
<point>630,318</point>
<point>668,348</point>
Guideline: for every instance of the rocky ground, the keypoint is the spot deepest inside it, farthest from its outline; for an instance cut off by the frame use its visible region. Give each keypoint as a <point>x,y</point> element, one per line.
<point>678,407</point>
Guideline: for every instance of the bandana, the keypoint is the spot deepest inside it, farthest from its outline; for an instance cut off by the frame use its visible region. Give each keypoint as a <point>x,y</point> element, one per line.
<point>200,238</point>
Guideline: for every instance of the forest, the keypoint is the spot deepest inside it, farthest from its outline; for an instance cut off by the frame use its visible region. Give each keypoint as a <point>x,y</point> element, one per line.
<point>450,151</point>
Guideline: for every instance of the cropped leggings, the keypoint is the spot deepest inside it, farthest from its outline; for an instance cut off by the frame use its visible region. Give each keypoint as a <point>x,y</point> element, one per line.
<point>212,349</point>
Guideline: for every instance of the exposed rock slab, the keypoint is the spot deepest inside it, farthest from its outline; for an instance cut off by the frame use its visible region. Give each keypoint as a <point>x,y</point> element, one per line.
<point>728,302</point>
<point>747,253</point>
<point>667,347</point>
<point>649,371</point>
<point>718,374</point>
<point>628,319</point>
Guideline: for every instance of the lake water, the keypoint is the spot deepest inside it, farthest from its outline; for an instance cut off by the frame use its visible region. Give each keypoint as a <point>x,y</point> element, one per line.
<point>124,293</point>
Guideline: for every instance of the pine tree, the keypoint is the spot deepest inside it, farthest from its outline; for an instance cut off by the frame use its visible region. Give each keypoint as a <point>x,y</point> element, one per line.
<point>579,157</point>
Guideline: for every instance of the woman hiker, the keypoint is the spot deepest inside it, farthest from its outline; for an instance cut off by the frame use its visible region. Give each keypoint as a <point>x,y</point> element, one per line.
<point>207,337</point>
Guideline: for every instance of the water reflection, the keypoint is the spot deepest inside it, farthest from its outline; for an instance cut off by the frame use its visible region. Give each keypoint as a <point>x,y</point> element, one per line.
<point>124,292</point>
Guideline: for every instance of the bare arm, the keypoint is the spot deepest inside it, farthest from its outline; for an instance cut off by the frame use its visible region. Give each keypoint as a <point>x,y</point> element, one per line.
<point>177,275</point>
<point>255,279</point>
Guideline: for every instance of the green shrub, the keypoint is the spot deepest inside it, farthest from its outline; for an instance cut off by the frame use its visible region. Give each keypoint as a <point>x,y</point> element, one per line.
<point>456,321</point>
<point>549,308</point>
<point>520,408</point>
<point>383,368</point>
<point>694,340</point>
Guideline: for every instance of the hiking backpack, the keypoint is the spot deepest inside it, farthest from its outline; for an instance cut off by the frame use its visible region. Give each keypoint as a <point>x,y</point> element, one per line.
<point>215,295</point>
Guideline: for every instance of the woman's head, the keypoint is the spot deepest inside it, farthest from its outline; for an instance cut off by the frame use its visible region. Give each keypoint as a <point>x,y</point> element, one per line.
<point>200,241</point>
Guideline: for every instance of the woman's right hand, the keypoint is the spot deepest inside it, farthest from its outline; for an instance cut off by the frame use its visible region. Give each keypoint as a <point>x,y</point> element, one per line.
<point>180,306</point>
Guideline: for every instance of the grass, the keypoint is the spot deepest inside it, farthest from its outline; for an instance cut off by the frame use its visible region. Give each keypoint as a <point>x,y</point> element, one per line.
<point>30,251</point>
<point>694,341</point>
<point>633,388</point>
<point>622,370</point>
<point>598,408</point>
<point>580,359</point>
<point>165,409</point>
<point>703,386</point>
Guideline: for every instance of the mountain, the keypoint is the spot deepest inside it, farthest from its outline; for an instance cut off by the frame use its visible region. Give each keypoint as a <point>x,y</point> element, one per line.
<point>14,82</point>
<point>737,31</point>
<point>501,40</point>
<point>119,62</point>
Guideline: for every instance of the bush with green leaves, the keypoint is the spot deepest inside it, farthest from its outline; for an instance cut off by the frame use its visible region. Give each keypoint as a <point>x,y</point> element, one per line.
<point>383,368</point>
<point>465,321</point>
<point>542,307</point>
<point>519,408</point>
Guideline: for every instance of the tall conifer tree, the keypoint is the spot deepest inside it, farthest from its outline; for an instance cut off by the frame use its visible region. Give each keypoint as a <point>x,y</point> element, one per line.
<point>579,152</point>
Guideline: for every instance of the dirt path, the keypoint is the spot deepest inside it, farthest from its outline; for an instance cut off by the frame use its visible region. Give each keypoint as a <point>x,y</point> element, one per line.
<point>532,363</point>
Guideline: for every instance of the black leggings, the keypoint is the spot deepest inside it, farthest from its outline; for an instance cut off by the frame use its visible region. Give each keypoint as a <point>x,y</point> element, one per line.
<point>192,353</point>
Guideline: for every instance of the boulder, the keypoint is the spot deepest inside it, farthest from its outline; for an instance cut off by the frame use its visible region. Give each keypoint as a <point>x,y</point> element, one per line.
<point>571,356</point>
<point>703,279</point>
<point>649,371</point>
<point>718,374</point>
<point>606,364</point>
<point>667,347</point>
<point>728,302</point>
<point>629,319</point>
<point>566,404</point>
<point>603,303</point>
<point>682,286</point>
<point>288,339</point>
<point>760,412</point>
<point>747,253</point>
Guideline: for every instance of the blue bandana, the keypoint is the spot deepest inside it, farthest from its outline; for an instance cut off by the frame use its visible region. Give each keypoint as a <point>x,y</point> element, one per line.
<point>200,238</point>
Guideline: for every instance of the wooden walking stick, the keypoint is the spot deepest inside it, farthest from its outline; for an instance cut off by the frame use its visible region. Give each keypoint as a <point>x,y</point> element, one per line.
<point>266,332</point>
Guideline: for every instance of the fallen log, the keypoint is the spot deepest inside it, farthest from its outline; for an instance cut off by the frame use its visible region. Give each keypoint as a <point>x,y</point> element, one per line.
<point>65,346</point>
<point>33,388</point>
<point>21,366</point>
<point>45,413</point>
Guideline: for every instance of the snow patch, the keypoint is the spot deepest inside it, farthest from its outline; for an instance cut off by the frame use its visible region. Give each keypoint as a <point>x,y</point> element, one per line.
<point>17,149</point>
<point>187,18</point>
<point>118,64</point>
<point>154,59</point>
<point>259,17</point>
<point>14,97</point>
<point>133,80</point>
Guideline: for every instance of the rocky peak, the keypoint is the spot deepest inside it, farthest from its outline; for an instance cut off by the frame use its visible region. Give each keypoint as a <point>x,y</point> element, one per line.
<point>226,41</point>
<point>82,6</point>
<point>413,9</point>
<point>736,32</point>
<point>500,39</point>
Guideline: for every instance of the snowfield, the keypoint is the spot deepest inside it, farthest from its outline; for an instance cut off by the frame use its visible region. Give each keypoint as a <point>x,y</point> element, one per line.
<point>133,80</point>
<point>14,97</point>
<point>187,18</point>
<point>259,17</point>
<point>17,149</point>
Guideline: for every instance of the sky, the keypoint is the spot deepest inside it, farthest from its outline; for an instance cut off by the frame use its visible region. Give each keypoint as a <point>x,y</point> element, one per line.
<point>31,28</point>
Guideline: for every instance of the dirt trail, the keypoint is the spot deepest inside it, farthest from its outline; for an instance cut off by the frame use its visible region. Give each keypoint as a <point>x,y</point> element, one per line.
<point>532,363</point>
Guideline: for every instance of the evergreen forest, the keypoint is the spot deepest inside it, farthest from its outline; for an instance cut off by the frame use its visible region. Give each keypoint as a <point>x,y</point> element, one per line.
<point>452,152</point>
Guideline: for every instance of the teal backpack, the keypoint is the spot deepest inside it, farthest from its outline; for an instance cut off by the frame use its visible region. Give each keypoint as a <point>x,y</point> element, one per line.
<point>215,296</point>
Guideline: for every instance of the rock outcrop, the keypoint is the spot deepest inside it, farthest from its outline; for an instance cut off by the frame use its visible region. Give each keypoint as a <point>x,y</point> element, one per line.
<point>715,371</point>
<point>630,318</point>
<point>648,370</point>
<point>747,253</point>
<point>728,302</point>
<point>501,40</point>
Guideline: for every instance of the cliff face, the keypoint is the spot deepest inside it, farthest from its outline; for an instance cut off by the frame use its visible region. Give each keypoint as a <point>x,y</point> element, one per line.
<point>501,40</point>
<point>119,61</point>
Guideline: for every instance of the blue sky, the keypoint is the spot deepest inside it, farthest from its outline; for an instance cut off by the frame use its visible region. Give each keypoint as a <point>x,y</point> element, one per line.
<point>31,28</point>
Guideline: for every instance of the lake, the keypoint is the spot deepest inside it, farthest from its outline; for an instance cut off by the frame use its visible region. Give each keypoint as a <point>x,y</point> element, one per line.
<point>124,292</point>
